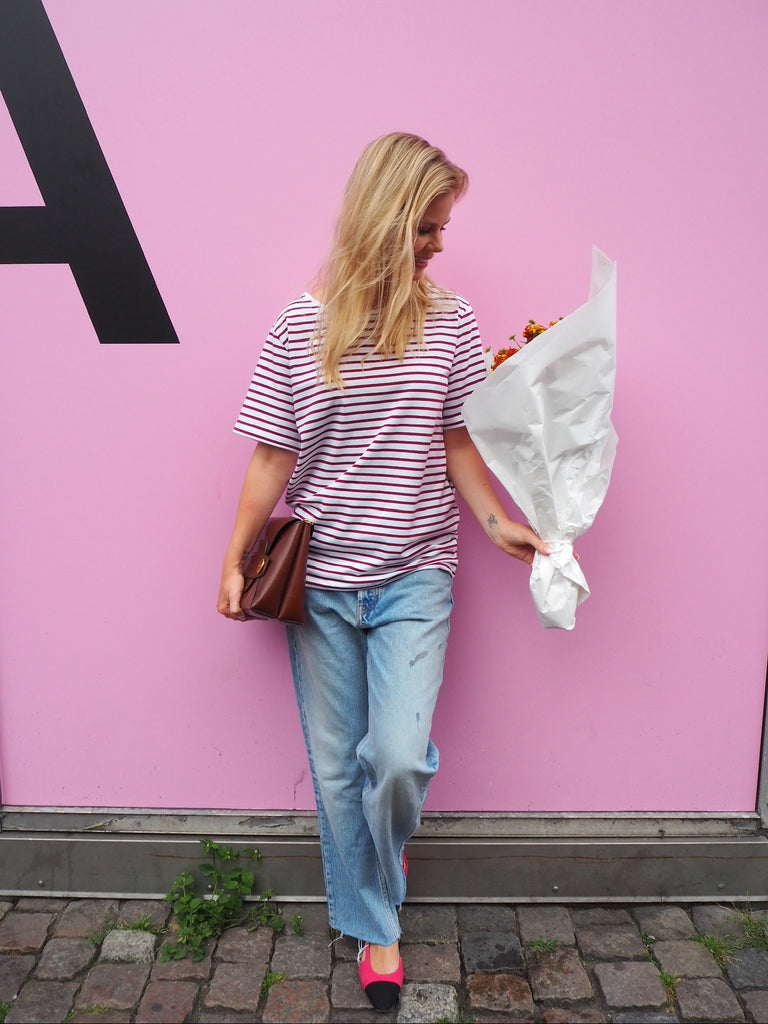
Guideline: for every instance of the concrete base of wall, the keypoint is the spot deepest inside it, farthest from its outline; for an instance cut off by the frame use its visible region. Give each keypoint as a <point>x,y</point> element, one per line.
<point>568,858</point>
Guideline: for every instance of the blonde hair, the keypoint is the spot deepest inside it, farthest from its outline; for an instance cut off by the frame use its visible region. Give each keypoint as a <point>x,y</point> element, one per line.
<point>367,283</point>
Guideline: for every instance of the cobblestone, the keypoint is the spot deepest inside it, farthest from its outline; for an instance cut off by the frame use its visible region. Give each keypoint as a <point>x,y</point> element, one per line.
<point>114,986</point>
<point>605,916</point>
<point>707,1001</point>
<point>560,1016</point>
<point>224,1017</point>
<point>81,960</point>
<point>133,912</point>
<point>664,923</point>
<point>36,904</point>
<point>238,945</point>
<point>631,986</point>
<point>302,956</point>
<point>297,1002</point>
<point>685,959</point>
<point>81,919</point>
<point>166,1002</point>
<point>62,959</point>
<point>492,951</point>
<point>234,987</point>
<point>546,924</point>
<point>748,968</point>
<point>427,1003</point>
<point>644,1017</point>
<point>24,933</point>
<point>711,919</point>
<point>757,1004</point>
<point>346,991</point>
<point>42,1001</point>
<point>429,923</point>
<point>613,942</point>
<point>480,919</point>
<point>13,972</point>
<point>558,976</point>
<point>181,970</point>
<point>504,993</point>
<point>440,963</point>
<point>128,947</point>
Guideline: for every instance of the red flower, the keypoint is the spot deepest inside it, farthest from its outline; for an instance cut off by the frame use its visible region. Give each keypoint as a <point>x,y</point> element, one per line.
<point>530,331</point>
<point>501,355</point>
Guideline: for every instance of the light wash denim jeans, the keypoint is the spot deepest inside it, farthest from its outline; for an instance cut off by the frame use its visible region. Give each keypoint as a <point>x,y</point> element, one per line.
<point>367,667</point>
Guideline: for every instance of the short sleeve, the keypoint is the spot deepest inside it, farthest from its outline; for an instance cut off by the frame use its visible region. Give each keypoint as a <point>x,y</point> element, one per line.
<point>469,367</point>
<point>267,413</point>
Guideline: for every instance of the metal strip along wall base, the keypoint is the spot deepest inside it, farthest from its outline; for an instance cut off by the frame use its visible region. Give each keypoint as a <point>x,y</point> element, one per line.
<point>453,859</point>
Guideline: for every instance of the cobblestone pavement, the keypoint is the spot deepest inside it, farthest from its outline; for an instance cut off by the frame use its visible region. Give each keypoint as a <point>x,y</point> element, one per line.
<point>77,960</point>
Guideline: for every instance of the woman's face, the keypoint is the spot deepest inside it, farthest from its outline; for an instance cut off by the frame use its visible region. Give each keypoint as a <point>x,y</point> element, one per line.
<point>429,233</point>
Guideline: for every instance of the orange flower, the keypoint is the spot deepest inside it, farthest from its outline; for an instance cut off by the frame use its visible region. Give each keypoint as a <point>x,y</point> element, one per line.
<point>530,331</point>
<point>501,355</point>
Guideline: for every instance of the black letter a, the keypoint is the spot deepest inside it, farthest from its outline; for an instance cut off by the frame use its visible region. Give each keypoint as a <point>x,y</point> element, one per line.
<point>83,222</point>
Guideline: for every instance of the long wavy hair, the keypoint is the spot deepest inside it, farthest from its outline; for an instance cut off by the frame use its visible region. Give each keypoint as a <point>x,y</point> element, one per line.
<point>367,283</point>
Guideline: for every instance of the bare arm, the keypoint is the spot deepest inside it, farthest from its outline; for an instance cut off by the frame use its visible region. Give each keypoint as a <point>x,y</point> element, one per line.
<point>471,479</point>
<point>268,473</point>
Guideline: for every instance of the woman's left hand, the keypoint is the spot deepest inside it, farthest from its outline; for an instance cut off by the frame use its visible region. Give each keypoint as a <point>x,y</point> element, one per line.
<point>516,539</point>
<point>470,477</point>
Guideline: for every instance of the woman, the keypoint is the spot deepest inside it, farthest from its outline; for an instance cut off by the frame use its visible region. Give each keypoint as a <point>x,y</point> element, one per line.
<point>355,405</point>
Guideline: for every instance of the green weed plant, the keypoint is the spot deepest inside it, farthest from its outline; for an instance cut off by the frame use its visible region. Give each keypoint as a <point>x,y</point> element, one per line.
<point>754,935</point>
<point>548,944</point>
<point>204,908</point>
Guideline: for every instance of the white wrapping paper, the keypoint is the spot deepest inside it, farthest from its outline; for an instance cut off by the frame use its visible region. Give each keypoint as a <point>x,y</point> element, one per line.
<point>542,423</point>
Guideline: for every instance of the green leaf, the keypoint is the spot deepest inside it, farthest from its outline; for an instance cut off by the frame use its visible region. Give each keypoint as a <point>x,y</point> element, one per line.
<point>200,917</point>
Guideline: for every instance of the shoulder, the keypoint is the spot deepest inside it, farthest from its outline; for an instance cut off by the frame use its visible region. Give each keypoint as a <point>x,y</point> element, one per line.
<point>451,308</point>
<point>305,305</point>
<point>298,318</point>
<point>459,301</point>
<point>463,309</point>
<point>447,300</point>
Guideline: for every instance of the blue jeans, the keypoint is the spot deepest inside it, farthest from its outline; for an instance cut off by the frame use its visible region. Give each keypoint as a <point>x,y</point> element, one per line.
<point>367,667</point>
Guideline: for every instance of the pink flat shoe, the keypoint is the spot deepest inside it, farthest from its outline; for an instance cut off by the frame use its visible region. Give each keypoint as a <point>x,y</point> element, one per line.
<point>383,990</point>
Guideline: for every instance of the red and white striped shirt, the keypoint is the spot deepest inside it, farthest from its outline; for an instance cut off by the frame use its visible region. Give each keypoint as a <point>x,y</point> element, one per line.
<point>371,469</point>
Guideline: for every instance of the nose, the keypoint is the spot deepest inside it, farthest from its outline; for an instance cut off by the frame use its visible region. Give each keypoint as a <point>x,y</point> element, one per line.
<point>436,241</point>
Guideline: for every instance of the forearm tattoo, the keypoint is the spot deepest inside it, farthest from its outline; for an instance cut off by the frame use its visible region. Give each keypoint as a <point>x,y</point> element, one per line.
<point>492,520</point>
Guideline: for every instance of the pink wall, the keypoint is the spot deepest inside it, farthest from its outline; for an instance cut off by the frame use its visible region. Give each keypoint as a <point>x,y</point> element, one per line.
<point>230,127</point>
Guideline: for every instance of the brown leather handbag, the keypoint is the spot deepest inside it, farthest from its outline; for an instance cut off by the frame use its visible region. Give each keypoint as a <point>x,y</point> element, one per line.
<point>275,571</point>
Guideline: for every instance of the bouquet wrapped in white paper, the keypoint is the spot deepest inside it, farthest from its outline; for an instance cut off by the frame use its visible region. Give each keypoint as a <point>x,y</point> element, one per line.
<point>542,423</point>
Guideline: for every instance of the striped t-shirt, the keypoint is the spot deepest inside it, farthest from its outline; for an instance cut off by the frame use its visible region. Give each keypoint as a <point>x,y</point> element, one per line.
<point>371,468</point>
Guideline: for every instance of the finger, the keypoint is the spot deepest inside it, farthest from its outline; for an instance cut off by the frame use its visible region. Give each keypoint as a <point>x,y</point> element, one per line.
<point>235,596</point>
<point>539,545</point>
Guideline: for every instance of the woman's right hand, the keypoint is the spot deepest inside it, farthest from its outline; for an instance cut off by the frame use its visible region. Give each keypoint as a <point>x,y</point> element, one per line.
<point>268,473</point>
<point>230,593</point>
